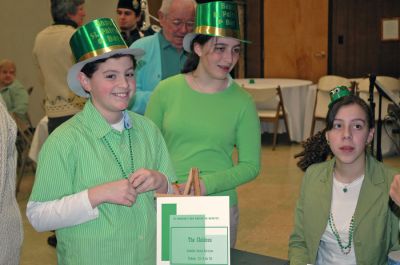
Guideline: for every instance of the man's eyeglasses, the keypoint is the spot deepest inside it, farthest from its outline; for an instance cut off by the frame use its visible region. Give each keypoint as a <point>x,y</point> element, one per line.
<point>179,23</point>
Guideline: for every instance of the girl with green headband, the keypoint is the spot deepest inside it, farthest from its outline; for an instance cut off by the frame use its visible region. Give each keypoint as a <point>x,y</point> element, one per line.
<point>204,115</point>
<point>343,215</point>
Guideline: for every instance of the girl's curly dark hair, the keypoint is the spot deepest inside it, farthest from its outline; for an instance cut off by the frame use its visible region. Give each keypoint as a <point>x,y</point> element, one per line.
<point>316,149</point>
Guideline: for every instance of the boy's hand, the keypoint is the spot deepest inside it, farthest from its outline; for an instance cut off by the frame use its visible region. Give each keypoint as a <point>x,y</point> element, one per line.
<point>117,192</point>
<point>146,180</point>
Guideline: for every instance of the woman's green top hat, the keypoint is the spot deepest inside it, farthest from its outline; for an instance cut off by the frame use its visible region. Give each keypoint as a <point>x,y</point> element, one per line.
<point>95,40</point>
<point>219,19</point>
<point>338,92</point>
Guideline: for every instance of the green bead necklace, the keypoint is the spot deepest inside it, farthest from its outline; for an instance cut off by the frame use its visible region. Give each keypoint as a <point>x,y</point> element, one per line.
<point>124,175</point>
<point>345,249</point>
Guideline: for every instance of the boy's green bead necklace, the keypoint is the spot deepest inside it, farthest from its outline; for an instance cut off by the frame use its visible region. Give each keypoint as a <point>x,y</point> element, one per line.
<point>124,175</point>
<point>345,249</point>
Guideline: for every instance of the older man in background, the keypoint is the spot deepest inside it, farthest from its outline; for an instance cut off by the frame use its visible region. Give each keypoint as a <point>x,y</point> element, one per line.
<point>164,55</point>
<point>53,56</point>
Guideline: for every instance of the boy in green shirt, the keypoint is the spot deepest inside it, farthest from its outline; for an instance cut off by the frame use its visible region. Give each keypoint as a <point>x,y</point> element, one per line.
<point>97,173</point>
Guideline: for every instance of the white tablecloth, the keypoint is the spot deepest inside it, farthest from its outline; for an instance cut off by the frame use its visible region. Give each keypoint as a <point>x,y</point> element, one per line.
<point>40,135</point>
<point>298,99</point>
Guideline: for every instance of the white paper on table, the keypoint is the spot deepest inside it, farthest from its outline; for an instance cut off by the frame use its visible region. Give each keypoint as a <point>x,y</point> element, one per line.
<point>193,230</point>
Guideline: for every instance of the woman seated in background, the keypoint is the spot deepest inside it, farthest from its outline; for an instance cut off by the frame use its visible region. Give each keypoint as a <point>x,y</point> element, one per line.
<point>11,90</point>
<point>203,114</point>
<point>343,215</point>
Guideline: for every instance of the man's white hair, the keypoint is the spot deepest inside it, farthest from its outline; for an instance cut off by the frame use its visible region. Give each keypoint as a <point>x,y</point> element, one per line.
<point>165,5</point>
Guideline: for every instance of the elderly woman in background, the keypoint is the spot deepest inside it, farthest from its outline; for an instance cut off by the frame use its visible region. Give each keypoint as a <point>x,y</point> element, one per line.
<point>11,233</point>
<point>12,91</point>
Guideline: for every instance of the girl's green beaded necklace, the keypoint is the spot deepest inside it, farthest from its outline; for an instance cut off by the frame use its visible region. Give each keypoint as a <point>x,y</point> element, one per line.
<point>345,249</point>
<point>124,175</point>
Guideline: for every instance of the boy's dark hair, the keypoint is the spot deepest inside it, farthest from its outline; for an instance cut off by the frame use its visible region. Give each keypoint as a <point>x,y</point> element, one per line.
<point>89,68</point>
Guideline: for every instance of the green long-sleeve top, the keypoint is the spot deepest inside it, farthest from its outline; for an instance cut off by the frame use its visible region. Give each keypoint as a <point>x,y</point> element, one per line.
<point>202,130</point>
<point>16,98</point>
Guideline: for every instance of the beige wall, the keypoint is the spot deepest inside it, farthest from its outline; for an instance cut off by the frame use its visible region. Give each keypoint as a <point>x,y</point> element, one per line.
<point>20,22</point>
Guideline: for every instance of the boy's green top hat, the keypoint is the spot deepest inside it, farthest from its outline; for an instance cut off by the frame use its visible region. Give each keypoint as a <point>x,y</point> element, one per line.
<point>219,19</point>
<point>95,40</point>
<point>337,93</point>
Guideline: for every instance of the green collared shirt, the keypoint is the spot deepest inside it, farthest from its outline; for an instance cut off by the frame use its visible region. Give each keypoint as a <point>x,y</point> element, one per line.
<point>78,156</point>
<point>172,60</point>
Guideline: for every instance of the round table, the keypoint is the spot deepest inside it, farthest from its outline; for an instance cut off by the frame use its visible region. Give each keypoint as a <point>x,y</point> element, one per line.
<point>298,101</point>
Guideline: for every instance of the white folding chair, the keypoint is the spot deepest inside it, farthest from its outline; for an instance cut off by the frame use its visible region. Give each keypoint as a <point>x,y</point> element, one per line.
<point>390,83</point>
<point>24,141</point>
<point>322,99</point>
<point>269,103</point>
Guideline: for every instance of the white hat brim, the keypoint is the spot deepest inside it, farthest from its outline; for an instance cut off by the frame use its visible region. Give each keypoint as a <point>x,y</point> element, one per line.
<point>72,77</point>
<point>187,41</point>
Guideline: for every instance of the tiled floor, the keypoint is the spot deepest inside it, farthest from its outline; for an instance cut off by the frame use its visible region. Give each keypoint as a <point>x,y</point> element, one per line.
<point>266,209</point>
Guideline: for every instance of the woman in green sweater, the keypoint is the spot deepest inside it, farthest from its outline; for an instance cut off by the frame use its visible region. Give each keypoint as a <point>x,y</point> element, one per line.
<point>203,114</point>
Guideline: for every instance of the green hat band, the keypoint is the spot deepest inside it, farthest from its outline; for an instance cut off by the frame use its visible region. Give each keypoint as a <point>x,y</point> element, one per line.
<point>218,19</point>
<point>95,38</point>
<point>206,30</point>
<point>338,92</point>
<point>100,52</point>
